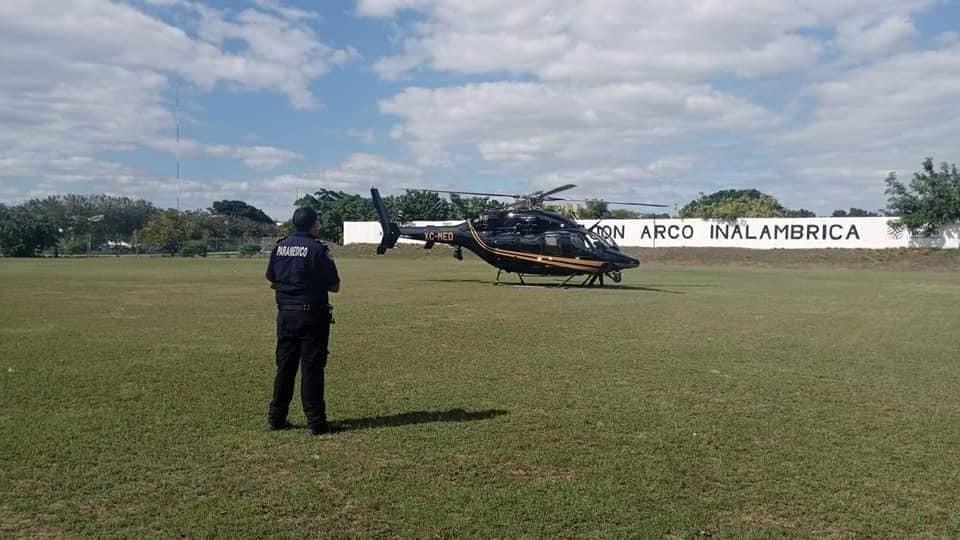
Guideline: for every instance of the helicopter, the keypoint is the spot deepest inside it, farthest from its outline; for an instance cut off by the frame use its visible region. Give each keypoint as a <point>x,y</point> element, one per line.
<point>523,239</point>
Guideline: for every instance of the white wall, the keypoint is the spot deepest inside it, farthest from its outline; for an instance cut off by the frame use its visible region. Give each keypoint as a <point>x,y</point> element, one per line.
<point>799,233</point>
<point>369,232</point>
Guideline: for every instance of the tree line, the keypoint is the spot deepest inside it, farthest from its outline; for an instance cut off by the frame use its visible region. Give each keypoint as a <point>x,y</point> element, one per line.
<point>77,223</point>
<point>335,207</point>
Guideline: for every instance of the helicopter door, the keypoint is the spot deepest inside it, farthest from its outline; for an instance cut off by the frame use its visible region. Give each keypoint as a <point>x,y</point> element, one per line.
<point>567,245</point>
<point>552,244</point>
<point>558,244</point>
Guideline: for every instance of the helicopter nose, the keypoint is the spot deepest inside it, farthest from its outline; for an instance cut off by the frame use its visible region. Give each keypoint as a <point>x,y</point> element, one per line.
<point>629,262</point>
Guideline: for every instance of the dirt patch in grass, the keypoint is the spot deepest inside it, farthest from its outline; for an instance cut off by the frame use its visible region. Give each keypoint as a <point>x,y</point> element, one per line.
<point>534,472</point>
<point>13,525</point>
<point>759,517</point>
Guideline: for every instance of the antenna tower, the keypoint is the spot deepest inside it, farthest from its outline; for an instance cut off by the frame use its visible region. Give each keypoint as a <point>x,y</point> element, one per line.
<point>177,116</point>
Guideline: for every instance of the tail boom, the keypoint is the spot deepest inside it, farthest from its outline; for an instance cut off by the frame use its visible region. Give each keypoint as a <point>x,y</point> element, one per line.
<point>391,231</point>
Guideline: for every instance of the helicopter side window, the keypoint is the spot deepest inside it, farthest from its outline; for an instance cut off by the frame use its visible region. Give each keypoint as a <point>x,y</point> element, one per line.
<point>551,244</point>
<point>560,244</point>
<point>577,243</point>
<point>566,245</point>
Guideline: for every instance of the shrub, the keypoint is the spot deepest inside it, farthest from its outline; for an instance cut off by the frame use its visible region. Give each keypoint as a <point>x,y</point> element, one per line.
<point>249,250</point>
<point>76,247</point>
<point>194,248</point>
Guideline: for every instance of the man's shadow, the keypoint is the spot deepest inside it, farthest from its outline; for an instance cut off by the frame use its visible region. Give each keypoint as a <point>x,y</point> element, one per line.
<point>413,418</point>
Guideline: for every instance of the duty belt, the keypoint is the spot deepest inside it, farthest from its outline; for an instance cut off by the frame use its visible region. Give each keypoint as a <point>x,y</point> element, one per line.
<point>296,307</point>
<point>320,308</point>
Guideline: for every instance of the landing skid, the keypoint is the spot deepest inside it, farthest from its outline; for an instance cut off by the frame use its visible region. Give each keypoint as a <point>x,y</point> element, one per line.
<point>522,282</point>
<point>592,280</point>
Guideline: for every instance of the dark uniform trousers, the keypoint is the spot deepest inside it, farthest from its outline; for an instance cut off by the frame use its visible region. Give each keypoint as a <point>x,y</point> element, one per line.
<point>302,340</point>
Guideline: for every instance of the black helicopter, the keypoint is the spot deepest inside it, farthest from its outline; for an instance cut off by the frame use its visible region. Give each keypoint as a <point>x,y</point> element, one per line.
<point>523,239</point>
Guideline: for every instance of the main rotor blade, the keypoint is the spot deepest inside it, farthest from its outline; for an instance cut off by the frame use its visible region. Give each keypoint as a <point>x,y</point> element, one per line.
<point>468,193</point>
<point>546,194</point>
<point>609,202</point>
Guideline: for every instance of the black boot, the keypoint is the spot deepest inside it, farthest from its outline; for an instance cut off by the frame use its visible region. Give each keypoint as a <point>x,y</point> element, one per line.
<point>322,428</point>
<point>277,425</point>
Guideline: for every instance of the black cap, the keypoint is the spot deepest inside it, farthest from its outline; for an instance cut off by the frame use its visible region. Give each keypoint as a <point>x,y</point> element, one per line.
<point>304,219</point>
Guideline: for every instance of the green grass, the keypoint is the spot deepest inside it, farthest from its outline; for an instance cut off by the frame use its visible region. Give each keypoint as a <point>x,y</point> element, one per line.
<point>695,401</point>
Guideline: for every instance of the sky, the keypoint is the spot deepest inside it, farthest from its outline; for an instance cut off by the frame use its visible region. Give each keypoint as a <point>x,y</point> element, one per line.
<point>812,101</point>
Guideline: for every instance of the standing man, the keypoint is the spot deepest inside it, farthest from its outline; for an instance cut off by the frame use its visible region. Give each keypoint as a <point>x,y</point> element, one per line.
<point>302,273</point>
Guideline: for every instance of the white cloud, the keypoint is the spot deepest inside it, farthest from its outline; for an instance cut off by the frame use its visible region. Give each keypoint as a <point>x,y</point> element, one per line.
<point>514,122</point>
<point>81,78</point>
<point>63,169</point>
<point>812,100</point>
<point>281,54</point>
<point>355,174</point>
<point>285,11</point>
<point>883,117</point>
<point>386,8</point>
<point>862,38</point>
<point>259,157</point>
<point>605,88</point>
<point>264,158</point>
<point>617,40</point>
<point>658,182</point>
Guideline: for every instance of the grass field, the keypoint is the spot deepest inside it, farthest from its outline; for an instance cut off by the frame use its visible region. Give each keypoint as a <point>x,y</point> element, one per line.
<point>694,401</point>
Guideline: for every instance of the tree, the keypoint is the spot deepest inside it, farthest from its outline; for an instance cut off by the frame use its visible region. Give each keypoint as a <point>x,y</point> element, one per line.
<point>594,209</point>
<point>599,210</point>
<point>24,233</point>
<point>801,213</point>
<point>623,213</point>
<point>240,209</point>
<point>419,205</point>
<point>223,226</point>
<point>566,210</point>
<point>335,207</point>
<point>169,230</point>
<point>467,207</point>
<point>122,216</point>
<point>931,200</point>
<point>733,204</point>
<point>854,212</point>
<point>94,217</point>
<point>49,210</point>
<point>77,212</point>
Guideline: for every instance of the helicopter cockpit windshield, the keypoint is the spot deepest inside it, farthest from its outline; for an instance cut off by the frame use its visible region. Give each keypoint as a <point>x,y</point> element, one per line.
<point>600,242</point>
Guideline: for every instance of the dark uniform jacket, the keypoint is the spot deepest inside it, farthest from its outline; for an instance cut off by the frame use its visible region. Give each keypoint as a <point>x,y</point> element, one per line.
<point>301,270</point>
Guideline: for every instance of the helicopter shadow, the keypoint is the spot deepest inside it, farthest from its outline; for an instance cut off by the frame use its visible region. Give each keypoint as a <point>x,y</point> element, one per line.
<point>412,418</point>
<point>636,288</point>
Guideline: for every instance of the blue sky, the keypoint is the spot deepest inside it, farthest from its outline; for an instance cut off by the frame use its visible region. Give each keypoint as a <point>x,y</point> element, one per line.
<point>813,101</point>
